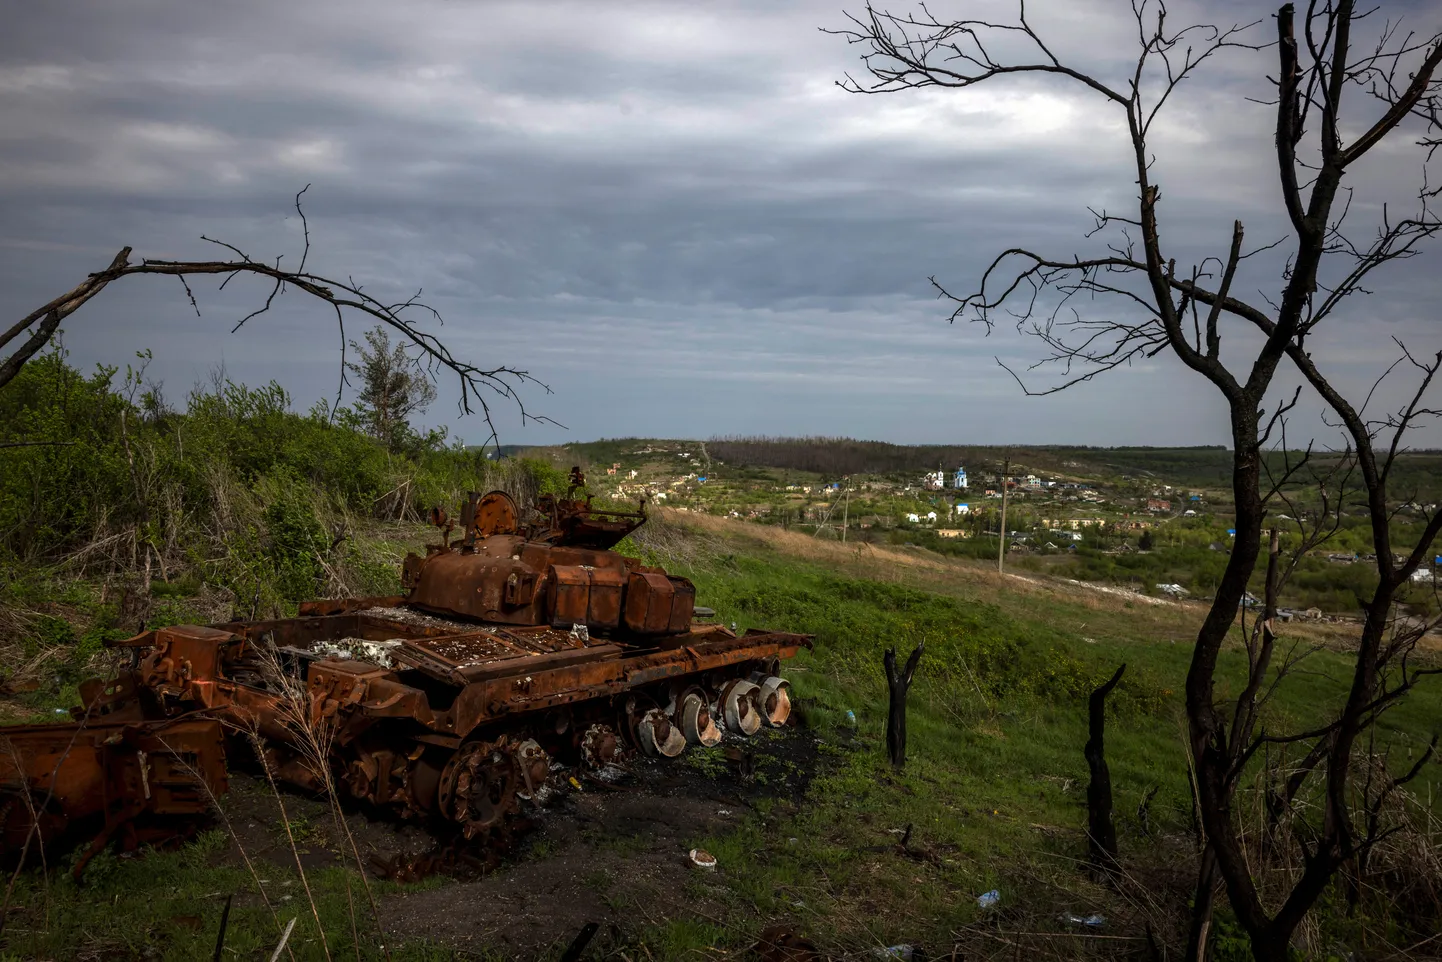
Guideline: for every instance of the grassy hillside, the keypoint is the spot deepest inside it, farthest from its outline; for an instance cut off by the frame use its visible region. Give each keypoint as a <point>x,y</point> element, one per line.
<point>235,503</point>
<point>1140,518</point>
<point>994,786</point>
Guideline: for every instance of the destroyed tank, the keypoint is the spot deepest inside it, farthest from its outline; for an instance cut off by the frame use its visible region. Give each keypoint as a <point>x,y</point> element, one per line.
<point>522,646</point>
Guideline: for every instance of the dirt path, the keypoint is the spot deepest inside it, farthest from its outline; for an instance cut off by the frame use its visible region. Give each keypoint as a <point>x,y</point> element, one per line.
<point>615,855</point>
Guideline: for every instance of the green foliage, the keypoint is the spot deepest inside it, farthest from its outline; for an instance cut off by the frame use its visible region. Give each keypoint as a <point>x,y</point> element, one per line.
<point>49,490</point>
<point>48,633</point>
<point>296,540</point>
<point>238,492</point>
<point>131,907</point>
<point>548,478</point>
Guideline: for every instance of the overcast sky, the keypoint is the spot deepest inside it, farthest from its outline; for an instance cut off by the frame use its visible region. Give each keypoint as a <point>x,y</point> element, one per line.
<point>669,212</point>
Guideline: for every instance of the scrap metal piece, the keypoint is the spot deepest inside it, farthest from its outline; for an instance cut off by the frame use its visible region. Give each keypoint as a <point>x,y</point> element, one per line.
<point>774,699</point>
<point>478,787</point>
<point>534,766</point>
<point>658,737</point>
<point>141,780</point>
<point>599,746</point>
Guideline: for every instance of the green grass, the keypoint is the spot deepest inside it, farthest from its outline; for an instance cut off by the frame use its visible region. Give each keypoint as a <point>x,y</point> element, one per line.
<point>170,903</point>
<point>994,786</point>
<point>995,780</point>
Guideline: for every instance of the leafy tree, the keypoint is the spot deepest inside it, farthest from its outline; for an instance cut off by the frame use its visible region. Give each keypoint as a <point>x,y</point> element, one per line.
<point>395,388</point>
<point>1145,541</point>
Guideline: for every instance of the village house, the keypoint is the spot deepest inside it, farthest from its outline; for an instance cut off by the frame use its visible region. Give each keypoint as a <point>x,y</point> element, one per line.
<point>1075,524</point>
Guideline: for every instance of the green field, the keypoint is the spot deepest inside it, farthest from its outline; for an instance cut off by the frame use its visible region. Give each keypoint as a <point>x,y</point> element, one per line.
<point>994,785</point>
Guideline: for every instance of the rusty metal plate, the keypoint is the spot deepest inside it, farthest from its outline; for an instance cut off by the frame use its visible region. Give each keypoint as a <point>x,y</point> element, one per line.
<point>115,772</point>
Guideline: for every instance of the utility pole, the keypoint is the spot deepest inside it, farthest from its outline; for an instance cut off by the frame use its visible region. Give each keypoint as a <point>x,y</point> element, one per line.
<point>845,509</point>
<point>1001,548</point>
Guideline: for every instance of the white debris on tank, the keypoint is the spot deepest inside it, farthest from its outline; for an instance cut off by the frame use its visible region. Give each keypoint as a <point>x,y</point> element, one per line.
<point>377,653</point>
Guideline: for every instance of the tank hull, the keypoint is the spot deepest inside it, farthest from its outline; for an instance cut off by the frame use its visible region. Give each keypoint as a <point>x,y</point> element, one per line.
<point>415,713</point>
<point>516,649</point>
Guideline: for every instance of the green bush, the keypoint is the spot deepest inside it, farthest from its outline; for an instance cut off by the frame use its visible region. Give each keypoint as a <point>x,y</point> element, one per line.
<point>237,489</point>
<point>296,540</point>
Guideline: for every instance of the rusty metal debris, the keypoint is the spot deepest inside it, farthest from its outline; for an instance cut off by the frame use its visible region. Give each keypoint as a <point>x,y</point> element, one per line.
<point>131,779</point>
<point>522,645</point>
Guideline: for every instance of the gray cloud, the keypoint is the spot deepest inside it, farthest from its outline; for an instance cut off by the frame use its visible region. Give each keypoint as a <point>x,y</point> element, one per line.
<point>668,213</point>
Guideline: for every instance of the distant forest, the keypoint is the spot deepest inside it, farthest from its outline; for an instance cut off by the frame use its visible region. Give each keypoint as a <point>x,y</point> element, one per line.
<point>843,456</point>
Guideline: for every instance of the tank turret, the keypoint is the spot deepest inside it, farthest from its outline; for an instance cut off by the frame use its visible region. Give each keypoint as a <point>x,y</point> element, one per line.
<point>555,568</point>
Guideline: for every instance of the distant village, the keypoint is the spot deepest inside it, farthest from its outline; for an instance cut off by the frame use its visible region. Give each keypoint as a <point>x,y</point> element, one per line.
<point>943,501</point>
<point>1131,529</point>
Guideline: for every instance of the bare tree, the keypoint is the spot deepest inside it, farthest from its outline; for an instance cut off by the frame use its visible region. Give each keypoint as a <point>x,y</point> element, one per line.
<point>478,385</point>
<point>1157,307</point>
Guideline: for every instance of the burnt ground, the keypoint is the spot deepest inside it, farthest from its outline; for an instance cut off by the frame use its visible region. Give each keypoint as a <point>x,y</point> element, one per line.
<point>616,853</point>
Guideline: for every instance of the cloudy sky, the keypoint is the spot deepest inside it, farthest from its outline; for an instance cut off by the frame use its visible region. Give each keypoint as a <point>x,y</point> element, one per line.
<point>667,212</point>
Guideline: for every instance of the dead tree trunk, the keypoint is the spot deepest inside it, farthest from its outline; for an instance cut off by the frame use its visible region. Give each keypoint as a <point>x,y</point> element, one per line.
<point>898,683</point>
<point>1101,833</point>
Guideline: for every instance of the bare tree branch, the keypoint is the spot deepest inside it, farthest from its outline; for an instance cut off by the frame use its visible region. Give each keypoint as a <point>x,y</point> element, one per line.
<point>478,385</point>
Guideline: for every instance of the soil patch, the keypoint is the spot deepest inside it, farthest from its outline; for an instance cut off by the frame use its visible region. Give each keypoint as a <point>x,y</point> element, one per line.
<point>615,852</point>
<point>617,855</point>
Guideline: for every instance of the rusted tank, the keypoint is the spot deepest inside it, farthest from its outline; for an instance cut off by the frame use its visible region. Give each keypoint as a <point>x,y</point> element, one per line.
<point>524,646</point>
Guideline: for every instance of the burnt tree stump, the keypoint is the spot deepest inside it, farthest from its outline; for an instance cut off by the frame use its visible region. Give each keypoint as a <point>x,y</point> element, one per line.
<point>1101,833</point>
<point>898,683</point>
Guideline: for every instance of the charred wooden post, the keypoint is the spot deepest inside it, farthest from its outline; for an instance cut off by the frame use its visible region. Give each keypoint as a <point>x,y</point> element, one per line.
<point>1101,833</point>
<point>899,684</point>
<point>1200,925</point>
<point>578,945</point>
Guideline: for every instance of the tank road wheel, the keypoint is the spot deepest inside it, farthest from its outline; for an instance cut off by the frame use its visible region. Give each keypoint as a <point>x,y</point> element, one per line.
<point>774,697</point>
<point>657,736</point>
<point>478,787</point>
<point>738,707</point>
<point>599,746</point>
<point>696,722</point>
